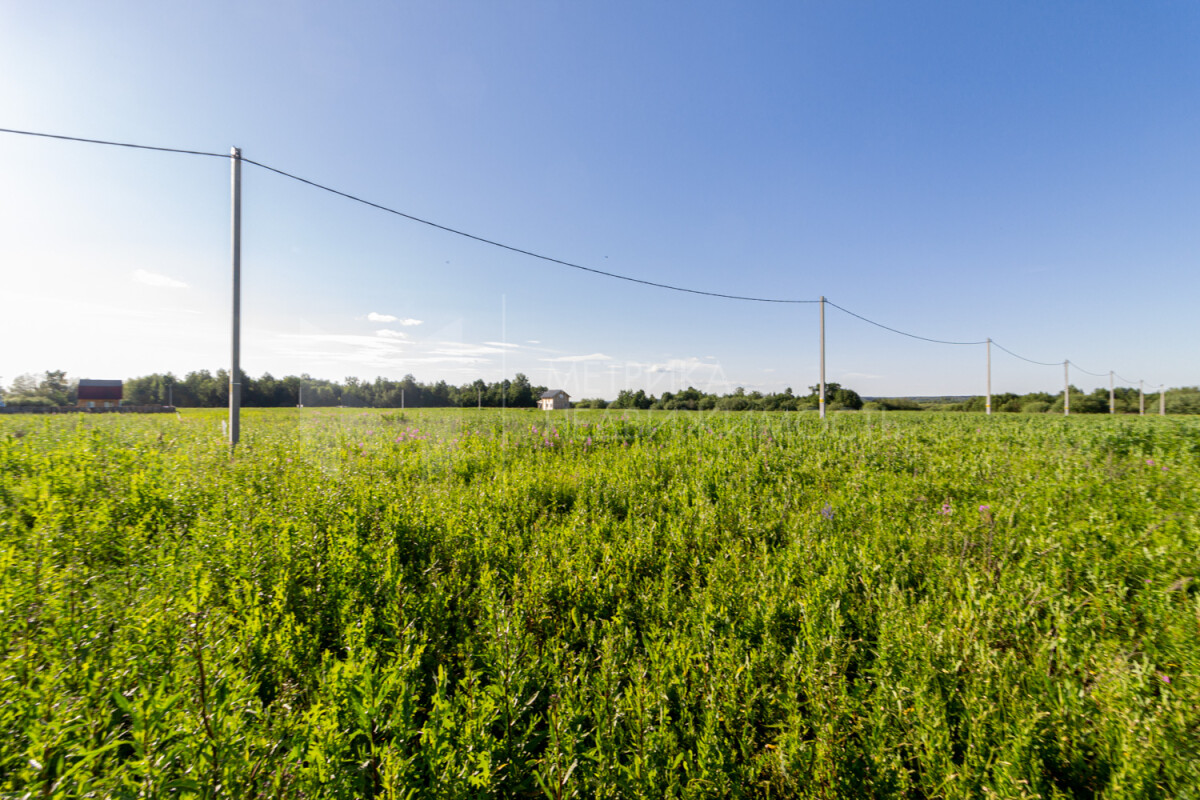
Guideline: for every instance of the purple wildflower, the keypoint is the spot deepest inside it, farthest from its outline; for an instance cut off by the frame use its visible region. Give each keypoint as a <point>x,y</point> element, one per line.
<point>1164,678</point>
<point>827,512</point>
<point>946,510</point>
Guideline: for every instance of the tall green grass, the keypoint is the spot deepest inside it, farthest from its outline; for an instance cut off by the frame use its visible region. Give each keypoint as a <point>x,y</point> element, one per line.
<point>476,604</point>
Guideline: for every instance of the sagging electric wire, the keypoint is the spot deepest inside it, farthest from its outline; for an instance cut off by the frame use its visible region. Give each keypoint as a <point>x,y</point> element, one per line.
<point>1023,358</point>
<point>896,330</point>
<point>115,144</point>
<point>519,250</point>
<point>530,253</point>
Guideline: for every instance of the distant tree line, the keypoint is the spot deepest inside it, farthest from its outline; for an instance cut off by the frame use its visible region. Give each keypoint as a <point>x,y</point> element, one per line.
<point>202,388</point>
<point>205,389</point>
<point>1185,400</point>
<point>692,399</point>
<point>51,388</point>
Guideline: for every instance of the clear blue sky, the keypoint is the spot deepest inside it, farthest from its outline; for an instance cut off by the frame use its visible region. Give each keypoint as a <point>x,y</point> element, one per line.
<point>1024,171</point>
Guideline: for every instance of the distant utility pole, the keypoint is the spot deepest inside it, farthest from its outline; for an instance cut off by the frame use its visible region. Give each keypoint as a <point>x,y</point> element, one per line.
<point>1141,399</point>
<point>401,399</point>
<point>1066,388</point>
<point>235,372</point>
<point>300,397</point>
<point>170,395</point>
<point>988,406</point>
<point>1162,400</point>
<point>1112,394</point>
<point>821,399</point>
<point>479,398</point>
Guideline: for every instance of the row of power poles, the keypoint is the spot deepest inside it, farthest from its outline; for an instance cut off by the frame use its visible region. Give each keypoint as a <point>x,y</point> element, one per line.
<point>1112,400</point>
<point>235,373</point>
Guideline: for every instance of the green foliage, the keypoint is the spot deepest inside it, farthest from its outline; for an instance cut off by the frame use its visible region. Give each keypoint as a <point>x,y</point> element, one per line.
<point>463,604</point>
<point>52,388</point>
<point>892,404</point>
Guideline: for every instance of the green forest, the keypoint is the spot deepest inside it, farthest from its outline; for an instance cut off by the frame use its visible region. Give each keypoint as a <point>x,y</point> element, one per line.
<point>205,389</point>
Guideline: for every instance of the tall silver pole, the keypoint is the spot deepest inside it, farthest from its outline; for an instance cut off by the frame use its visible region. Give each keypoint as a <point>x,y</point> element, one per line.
<point>988,407</point>
<point>1112,395</point>
<point>821,399</point>
<point>1162,400</point>
<point>235,370</point>
<point>1141,399</point>
<point>1066,388</point>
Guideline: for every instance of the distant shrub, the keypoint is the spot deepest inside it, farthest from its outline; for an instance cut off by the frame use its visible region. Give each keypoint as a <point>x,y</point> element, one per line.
<point>1183,401</point>
<point>899,404</point>
<point>1036,407</point>
<point>29,401</point>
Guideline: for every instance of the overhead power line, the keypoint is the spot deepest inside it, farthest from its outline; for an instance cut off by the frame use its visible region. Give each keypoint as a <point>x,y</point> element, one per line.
<point>115,144</point>
<point>895,330</point>
<point>520,250</point>
<point>1089,372</point>
<point>414,218</point>
<point>531,253</point>
<point>1023,358</point>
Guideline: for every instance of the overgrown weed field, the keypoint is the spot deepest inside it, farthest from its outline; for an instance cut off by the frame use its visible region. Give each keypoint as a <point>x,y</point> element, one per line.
<point>599,604</point>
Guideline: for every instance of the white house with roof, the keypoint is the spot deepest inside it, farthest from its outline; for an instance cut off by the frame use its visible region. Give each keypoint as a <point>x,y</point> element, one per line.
<point>554,400</point>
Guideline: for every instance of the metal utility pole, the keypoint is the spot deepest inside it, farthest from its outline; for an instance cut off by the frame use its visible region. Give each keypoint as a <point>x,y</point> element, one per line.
<point>1112,396</point>
<point>401,399</point>
<point>988,407</point>
<point>300,397</point>
<point>1066,388</point>
<point>821,398</point>
<point>1141,399</point>
<point>235,371</point>
<point>479,398</point>
<point>1162,400</point>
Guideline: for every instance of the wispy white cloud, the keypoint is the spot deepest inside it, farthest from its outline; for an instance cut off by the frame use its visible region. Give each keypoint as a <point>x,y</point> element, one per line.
<point>375,316</point>
<point>462,349</point>
<point>534,341</point>
<point>388,333</point>
<point>502,344</point>
<point>159,281</point>
<point>589,357</point>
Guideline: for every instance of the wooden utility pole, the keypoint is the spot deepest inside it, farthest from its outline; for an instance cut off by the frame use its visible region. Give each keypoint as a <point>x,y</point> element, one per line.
<point>1162,400</point>
<point>1066,388</point>
<point>235,371</point>
<point>1112,394</point>
<point>1141,399</point>
<point>988,407</point>
<point>821,398</point>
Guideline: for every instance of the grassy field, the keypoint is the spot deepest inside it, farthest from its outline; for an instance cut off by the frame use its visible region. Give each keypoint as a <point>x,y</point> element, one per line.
<point>476,604</point>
